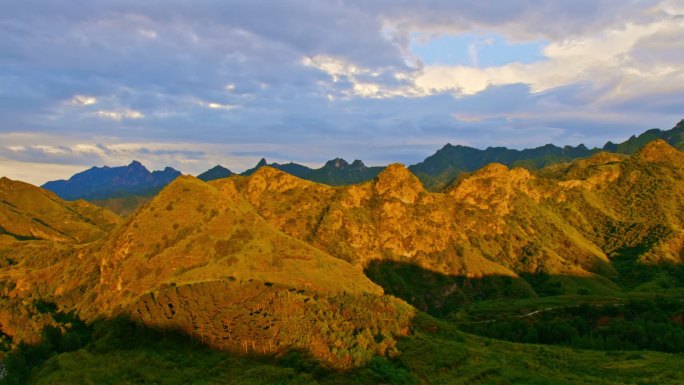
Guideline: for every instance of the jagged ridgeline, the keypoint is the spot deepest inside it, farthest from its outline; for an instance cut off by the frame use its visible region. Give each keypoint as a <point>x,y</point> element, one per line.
<point>270,263</point>
<point>124,189</point>
<point>440,169</point>
<point>593,224</point>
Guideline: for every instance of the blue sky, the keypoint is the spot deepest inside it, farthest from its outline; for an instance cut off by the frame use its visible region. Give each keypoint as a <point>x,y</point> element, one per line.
<point>195,84</point>
<point>486,50</point>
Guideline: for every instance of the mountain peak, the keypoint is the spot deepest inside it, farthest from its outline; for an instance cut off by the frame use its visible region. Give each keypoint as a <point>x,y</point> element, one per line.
<point>679,127</point>
<point>337,163</point>
<point>268,171</point>
<point>658,151</point>
<point>136,165</point>
<point>492,169</point>
<point>262,162</point>
<point>216,172</point>
<point>398,182</point>
<point>357,163</point>
<point>112,182</point>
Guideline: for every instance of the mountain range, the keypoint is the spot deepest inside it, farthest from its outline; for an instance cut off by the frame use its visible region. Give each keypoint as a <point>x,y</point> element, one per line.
<point>350,277</point>
<point>112,182</point>
<point>124,188</point>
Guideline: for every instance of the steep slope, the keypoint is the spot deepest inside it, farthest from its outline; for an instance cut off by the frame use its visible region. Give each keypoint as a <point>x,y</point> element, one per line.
<point>40,240</point>
<point>481,226</point>
<point>100,183</point>
<point>123,206</point>
<point>32,213</point>
<point>202,232</point>
<point>198,259</point>
<point>216,172</point>
<point>631,207</point>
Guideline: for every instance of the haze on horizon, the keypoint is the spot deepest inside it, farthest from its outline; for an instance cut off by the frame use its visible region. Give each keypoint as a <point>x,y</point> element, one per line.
<point>195,84</point>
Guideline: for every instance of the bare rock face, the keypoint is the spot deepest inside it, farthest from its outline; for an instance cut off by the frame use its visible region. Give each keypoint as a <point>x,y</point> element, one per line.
<point>396,181</point>
<point>493,187</point>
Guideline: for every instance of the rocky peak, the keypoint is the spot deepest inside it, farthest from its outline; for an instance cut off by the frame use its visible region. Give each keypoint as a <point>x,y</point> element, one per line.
<point>358,164</point>
<point>7,184</point>
<point>658,151</point>
<point>492,187</point>
<point>137,167</point>
<point>338,163</point>
<point>680,126</point>
<point>396,181</point>
<point>492,170</point>
<point>267,172</point>
<point>268,178</point>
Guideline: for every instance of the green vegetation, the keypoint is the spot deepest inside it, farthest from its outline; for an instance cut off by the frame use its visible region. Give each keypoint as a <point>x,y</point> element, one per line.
<point>439,294</point>
<point>636,325</point>
<point>120,352</point>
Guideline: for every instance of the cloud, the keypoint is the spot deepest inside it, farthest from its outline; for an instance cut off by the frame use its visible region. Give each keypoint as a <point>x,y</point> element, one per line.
<point>83,100</point>
<point>316,80</point>
<point>120,114</point>
<point>217,106</point>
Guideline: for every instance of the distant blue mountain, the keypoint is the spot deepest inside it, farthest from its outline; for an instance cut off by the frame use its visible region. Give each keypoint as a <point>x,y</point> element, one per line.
<point>435,172</point>
<point>448,163</point>
<point>112,182</point>
<point>214,173</point>
<point>338,172</point>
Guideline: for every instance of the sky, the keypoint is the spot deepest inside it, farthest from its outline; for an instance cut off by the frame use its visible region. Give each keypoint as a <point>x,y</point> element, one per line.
<point>192,84</point>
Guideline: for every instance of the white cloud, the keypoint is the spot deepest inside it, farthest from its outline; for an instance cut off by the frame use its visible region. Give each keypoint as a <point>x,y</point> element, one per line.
<point>219,106</point>
<point>606,62</point>
<point>597,60</point>
<point>83,100</point>
<point>118,115</point>
<point>366,82</point>
<point>147,33</point>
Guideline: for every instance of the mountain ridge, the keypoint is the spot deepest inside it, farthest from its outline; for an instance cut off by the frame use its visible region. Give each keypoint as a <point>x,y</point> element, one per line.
<point>436,172</point>
<point>112,182</point>
<point>271,263</point>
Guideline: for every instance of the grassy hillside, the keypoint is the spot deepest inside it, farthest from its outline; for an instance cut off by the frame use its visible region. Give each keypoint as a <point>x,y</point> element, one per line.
<point>198,259</point>
<point>31,213</point>
<point>124,207</point>
<point>534,277</point>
